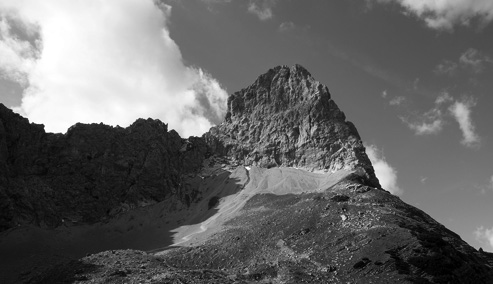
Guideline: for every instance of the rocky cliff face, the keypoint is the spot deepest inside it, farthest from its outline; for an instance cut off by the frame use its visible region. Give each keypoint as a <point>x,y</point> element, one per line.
<point>286,118</point>
<point>90,172</point>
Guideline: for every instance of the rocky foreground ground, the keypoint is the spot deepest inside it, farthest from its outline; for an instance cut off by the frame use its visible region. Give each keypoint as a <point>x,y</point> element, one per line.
<point>349,233</point>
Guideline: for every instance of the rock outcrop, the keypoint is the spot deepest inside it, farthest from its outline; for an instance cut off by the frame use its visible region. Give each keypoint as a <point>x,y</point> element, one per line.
<point>349,233</point>
<point>90,172</point>
<point>286,118</point>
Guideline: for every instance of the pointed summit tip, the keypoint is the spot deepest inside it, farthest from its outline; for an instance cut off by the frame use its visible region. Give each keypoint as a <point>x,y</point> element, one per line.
<point>287,118</point>
<point>296,70</point>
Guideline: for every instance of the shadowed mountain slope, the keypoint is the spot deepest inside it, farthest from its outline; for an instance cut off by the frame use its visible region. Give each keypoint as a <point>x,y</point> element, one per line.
<point>91,172</point>
<point>281,192</point>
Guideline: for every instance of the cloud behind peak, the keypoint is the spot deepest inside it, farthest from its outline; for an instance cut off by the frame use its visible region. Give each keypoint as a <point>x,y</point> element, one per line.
<point>447,14</point>
<point>112,62</point>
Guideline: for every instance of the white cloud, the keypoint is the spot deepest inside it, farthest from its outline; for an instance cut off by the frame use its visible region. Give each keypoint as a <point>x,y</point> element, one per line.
<point>430,122</point>
<point>447,67</point>
<point>17,56</point>
<point>422,127</point>
<point>262,8</point>
<point>108,61</point>
<point>461,111</point>
<point>443,98</point>
<point>446,14</point>
<point>384,94</point>
<point>471,60</point>
<point>397,101</point>
<point>433,121</point>
<point>385,173</point>
<point>286,26</point>
<point>474,60</point>
<point>485,236</point>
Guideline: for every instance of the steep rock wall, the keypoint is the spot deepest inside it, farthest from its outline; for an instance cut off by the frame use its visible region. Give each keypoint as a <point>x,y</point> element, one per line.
<point>286,118</point>
<point>90,172</point>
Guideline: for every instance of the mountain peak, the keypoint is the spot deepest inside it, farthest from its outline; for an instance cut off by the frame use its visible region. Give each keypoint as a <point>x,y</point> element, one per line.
<point>278,89</point>
<point>296,70</point>
<point>287,118</point>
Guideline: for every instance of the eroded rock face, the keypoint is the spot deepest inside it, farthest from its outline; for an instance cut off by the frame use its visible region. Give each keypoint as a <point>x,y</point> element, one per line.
<point>90,172</point>
<point>286,118</point>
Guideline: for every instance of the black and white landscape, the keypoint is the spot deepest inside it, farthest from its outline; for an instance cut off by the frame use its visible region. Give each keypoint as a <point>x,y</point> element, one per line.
<point>259,141</point>
<point>281,191</point>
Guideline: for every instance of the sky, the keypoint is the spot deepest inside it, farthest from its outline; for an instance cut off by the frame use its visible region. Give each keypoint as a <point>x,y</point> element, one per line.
<point>415,76</point>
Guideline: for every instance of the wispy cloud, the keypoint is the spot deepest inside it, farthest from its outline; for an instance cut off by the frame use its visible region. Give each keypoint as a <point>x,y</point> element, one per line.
<point>461,111</point>
<point>475,60</point>
<point>386,174</point>
<point>443,99</point>
<point>384,94</point>
<point>262,8</point>
<point>212,2</point>
<point>428,125</point>
<point>397,101</point>
<point>286,26</point>
<point>109,61</point>
<point>446,14</point>
<point>471,60</point>
<point>430,122</point>
<point>447,67</point>
<point>393,100</point>
<point>445,108</point>
<point>423,179</point>
<point>435,119</point>
<point>485,235</point>
<point>486,188</point>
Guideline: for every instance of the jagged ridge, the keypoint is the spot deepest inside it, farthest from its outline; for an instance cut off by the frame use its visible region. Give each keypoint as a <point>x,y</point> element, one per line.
<point>90,172</point>
<point>287,118</point>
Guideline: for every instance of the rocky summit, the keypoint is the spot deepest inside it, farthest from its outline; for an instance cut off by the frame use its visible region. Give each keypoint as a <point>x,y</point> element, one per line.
<point>287,119</point>
<point>281,192</point>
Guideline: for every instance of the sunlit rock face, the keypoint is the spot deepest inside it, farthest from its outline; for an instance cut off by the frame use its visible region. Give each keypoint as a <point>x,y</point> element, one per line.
<point>287,118</point>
